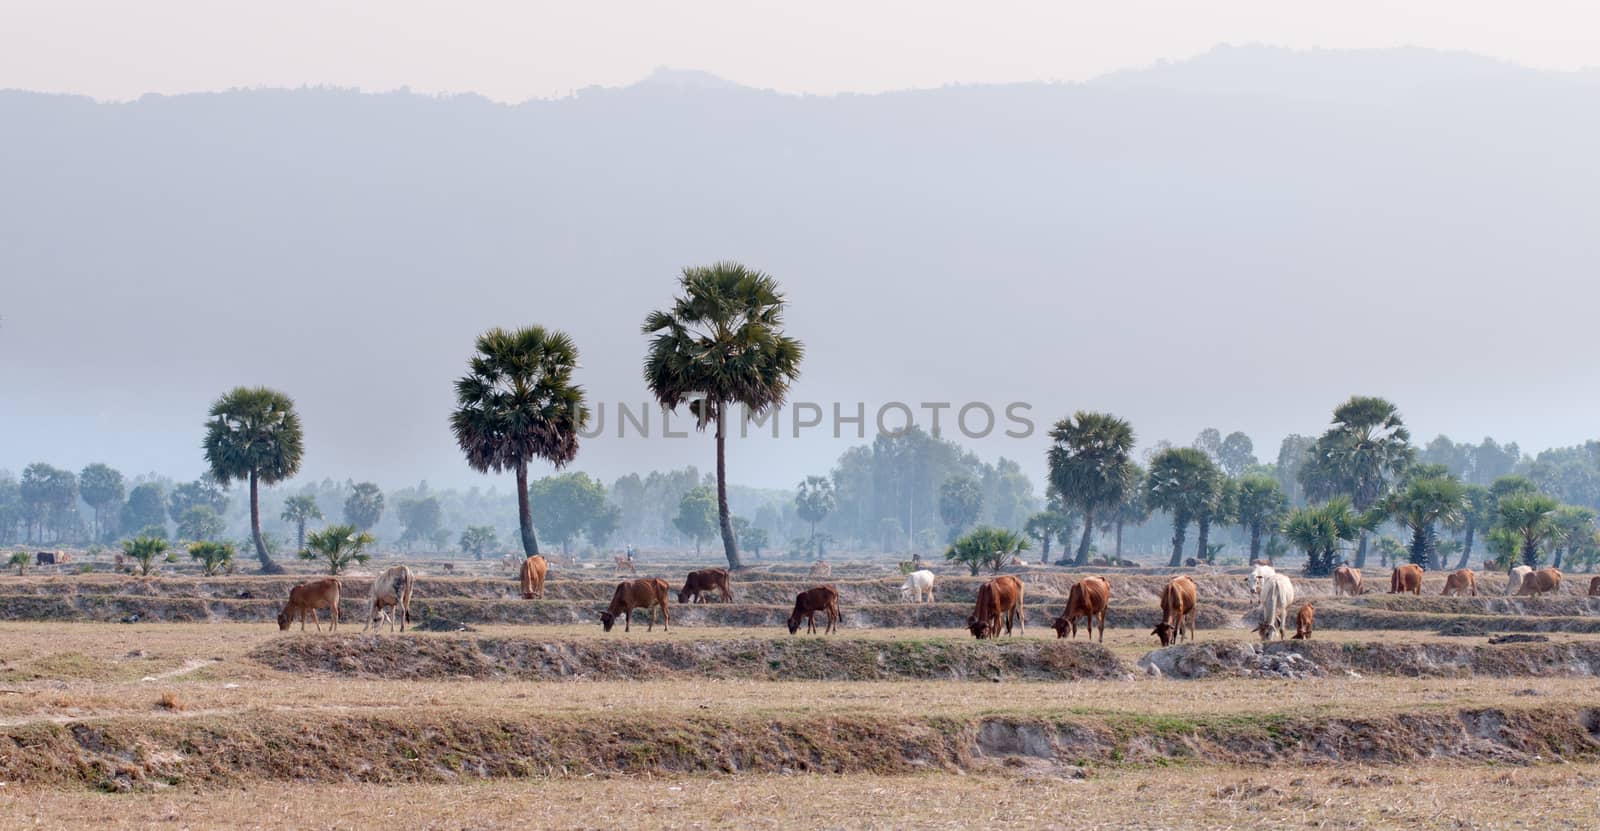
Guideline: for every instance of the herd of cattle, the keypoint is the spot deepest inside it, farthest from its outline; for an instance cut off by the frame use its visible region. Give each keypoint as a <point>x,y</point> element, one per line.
<point>999,606</point>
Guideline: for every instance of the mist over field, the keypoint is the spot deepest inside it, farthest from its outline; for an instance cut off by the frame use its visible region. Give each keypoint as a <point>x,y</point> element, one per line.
<point>1241,240</point>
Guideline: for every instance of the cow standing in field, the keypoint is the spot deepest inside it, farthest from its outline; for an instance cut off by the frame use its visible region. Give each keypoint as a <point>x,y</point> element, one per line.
<point>1303,621</point>
<point>1515,576</point>
<point>1406,579</point>
<point>392,589</point>
<point>1277,592</point>
<point>645,593</point>
<point>999,604</point>
<point>811,601</point>
<point>699,582</point>
<point>1087,599</point>
<point>917,584</point>
<point>1461,582</point>
<point>1179,600</point>
<point>1346,580</point>
<point>308,598</point>
<point>1594,586</point>
<point>532,577</point>
<point>1539,582</point>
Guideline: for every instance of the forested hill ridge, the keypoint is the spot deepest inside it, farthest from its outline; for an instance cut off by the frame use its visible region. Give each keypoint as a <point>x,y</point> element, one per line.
<point>1240,238</point>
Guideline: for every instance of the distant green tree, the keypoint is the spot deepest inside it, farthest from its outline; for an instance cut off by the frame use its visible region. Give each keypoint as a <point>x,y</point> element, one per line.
<point>518,403</point>
<point>300,510</point>
<point>478,540</point>
<point>1043,527</point>
<point>1420,505</point>
<point>1318,529</point>
<point>1089,460</point>
<point>1530,519</point>
<point>102,489</point>
<point>1260,506</point>
<point>254,435</point>
<point>722,343</point>
<point>1362,455</point>
<point>145,551</point>
<point>364,506</point>
<point>1477,514</point>
<point>1182,482</point>
<point>1574,529</point>
<point>337,547</point>
<point>146,506</point>
<point>200,522</point>
<point>20,561</point>
<point>566,505</point>
<point>419,519</point>
<point>986,546</point>
<point>49,500</point>
<point>213,556</point>
<point>199,492</point>
<point>697,516</point>
<point>603,524</point>
<point>813,502</point>
<point>960,503</point>
<point>1236,454</point>
<point>1132,509</point>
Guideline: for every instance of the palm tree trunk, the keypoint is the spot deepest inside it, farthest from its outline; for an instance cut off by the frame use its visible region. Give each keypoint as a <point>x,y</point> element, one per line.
<point>1255,541</point>
<point>1083,544</point>
<point>300,535</point>
<point>267,564</point>
<point>730,545</point>
<point>1204,540</point>
<point>1466,547</point>
<point>1046,552</point>
<point>1119,542</point>
<point>1180,524</point>
<point>530,543</point>
<point>1556,562</point>
<point>1419,546</point>
<point>1361,551</point>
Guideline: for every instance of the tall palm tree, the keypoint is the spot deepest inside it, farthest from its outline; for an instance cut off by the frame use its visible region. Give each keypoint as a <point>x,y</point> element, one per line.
<point>1090,465</point>
<point>1420,505</point>
<point>1529,519</point>
<point>1259,505</point>
<point>300,510</point>
<point>1574,528</point>
<point>1182,482</point>
<point>722,343</point>
<point>1318,529</point>
<point>1366,450</point>
<point>813,501</point>
<point>254,434</point>
<point>517,403</point>
<point>1477,514</point>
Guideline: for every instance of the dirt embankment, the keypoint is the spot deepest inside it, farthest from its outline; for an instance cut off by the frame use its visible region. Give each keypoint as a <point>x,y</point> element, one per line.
<point>221,751</point>
<point>1307,659</point>
<point>785,659</point>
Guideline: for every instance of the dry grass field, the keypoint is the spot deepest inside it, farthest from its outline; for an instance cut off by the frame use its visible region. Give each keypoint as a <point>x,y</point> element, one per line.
<point>232,724</point>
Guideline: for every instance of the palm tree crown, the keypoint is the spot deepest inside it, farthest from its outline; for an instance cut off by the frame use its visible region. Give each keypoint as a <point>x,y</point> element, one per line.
<point>254,435</point>
<point>1423,503</point>
<point>1090,465</point>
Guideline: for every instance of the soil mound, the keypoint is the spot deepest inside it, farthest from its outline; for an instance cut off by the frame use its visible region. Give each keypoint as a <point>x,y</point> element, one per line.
<point>1304,659</point>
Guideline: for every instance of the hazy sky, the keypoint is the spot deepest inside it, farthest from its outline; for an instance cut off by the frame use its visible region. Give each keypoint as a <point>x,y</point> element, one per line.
<point>512,51</point>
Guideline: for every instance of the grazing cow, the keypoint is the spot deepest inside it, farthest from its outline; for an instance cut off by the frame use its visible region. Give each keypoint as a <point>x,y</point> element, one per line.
<point>918,583</point>
<point>1261,573</point>
<point>391,589</point>
<point>1303,620</point>
<point>1594,586</point>
<point>820,570</point>
<point>309,597</point>
<point>644,593</point>
<point>1515,577</point>
<point>811,601</point>
<point>449,568</point>
<point>699,582</point>
<point>623,564</point>
<point>1539,582</point>
<point>1087,599</point>
<point>52,558</point>
<point>1461,582</point>
<point>1277,592</point>
<point>999,604</point>
<point>532,577</point>
<point>1346,580</point>
<point>1406,579</point>
<point>1179,600</point>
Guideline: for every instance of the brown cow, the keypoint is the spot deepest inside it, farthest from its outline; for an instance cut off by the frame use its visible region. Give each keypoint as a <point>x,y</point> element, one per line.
<point>309,597</point>
<point>644,593</point>
<point>1539,582</point>
<point>1086,599</point>
<point>1303,620</point>
<point>532,577</point>
<point>1346,580</point>
<point>811,601</point>
<point>1179,600</point>
<point>1594,586</point>
<point>999,603</point>
<point>1406,579</point>
<point>1461,582</point>
<point>699,582</point>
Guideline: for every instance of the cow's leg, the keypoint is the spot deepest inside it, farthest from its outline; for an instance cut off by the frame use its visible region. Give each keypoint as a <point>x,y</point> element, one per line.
<point>666,617</point>
<point>627,620</point>
<point>333,612</point>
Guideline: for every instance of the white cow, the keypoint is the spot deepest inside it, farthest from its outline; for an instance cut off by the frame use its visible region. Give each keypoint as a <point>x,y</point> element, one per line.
<point>392,588</point>
<point>1277,592</point>
<point>918,582</point>
<point>1515,580</point>
<point>1257,575</point>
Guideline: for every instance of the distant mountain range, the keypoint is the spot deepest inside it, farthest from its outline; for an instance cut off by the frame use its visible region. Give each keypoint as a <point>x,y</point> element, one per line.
<point>1240,240</point>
